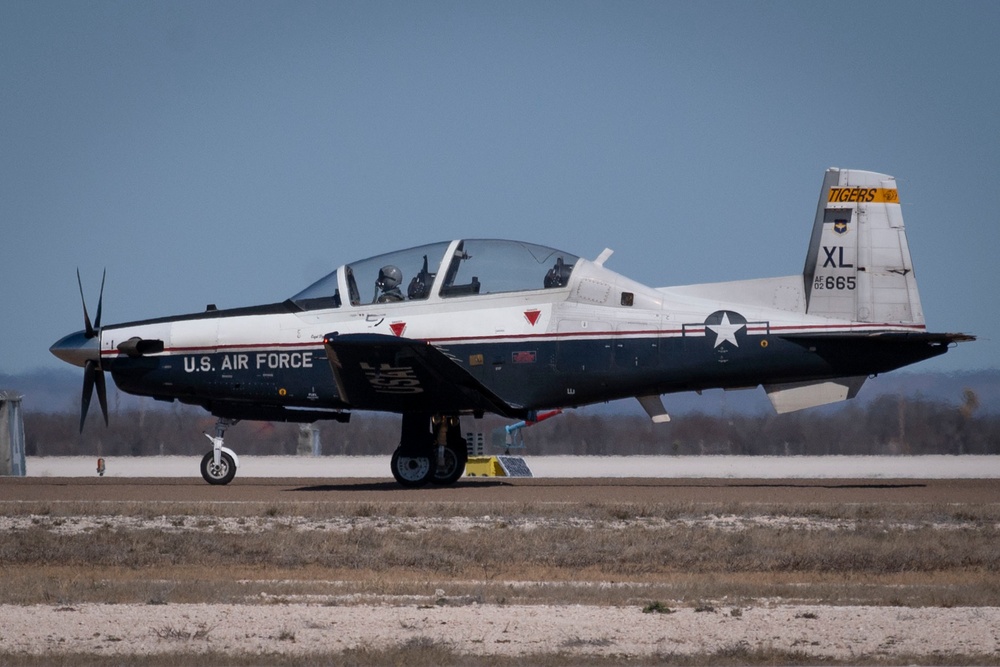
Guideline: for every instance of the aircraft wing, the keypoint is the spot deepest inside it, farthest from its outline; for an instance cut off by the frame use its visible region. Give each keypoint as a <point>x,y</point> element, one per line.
<point>393,374</point>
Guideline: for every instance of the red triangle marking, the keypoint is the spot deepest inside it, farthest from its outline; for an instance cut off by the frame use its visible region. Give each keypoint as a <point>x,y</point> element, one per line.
<point>532,316</point>
<point>398,328</point>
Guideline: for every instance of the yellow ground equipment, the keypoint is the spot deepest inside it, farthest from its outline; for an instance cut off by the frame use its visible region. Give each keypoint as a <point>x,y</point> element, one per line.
<point>497,466</point>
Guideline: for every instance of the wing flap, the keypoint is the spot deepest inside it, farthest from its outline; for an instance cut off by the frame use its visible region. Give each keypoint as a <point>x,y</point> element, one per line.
<point>392,374</point>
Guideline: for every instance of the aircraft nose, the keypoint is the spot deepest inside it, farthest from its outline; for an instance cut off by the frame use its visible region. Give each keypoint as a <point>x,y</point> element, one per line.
<point>77,349</point>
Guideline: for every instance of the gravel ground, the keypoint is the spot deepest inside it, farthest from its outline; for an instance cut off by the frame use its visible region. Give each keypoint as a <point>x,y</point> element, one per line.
<point>843,633</point>
<point>269,625</point>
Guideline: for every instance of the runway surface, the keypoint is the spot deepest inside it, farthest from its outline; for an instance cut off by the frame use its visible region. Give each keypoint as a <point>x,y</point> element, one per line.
<point>530,491</point>
<point>657,467</point>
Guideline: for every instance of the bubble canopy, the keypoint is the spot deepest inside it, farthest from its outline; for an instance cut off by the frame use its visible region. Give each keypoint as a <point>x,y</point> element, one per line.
<point>470,267</point>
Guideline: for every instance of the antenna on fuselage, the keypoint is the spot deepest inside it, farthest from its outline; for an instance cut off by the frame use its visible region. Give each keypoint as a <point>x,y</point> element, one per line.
<point>603,257</point>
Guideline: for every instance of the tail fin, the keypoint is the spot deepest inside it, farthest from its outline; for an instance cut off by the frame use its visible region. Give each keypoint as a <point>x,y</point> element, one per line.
<point>858,267</point>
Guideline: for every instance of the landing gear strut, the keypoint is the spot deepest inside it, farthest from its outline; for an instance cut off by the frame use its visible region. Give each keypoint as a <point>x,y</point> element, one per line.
<point>423,456</point>
<point>451,450</point>
<point>219,465</point>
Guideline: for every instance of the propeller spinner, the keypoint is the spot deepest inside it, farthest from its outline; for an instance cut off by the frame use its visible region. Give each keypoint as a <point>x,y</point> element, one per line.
<point>83,348</point>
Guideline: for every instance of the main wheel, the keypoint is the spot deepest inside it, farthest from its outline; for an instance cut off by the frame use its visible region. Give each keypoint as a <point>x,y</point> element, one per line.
<point>455,457</point>
<point>412,471</point>
<point>218,474</point>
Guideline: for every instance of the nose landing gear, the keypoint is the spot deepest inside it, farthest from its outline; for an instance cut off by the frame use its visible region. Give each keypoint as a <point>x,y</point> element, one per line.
<point>219,465</point>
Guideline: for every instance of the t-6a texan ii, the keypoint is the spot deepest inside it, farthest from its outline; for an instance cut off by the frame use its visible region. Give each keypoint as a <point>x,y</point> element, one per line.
<point>470,326</point>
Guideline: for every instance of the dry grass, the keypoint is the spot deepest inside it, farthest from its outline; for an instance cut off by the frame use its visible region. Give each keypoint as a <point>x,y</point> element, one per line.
<point>63,585</point>
<point>594,511</point>
<point>614,553</point>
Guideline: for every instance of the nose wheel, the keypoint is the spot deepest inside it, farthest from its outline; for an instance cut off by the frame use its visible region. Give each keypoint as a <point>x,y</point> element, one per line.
<point>219,465</point>
<point>222,472</point>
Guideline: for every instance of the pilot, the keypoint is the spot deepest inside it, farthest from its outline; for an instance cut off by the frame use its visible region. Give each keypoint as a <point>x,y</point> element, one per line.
<point>389,279</point>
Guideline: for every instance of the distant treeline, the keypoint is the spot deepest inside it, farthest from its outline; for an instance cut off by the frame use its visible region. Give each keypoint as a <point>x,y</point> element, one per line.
<point>889,425</point>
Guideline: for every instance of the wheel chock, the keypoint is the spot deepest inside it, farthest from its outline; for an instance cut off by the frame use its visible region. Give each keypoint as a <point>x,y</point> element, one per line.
<point>497,466</point>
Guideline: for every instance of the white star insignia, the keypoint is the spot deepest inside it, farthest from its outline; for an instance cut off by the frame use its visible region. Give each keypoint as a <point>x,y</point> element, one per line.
<point>725,331</point>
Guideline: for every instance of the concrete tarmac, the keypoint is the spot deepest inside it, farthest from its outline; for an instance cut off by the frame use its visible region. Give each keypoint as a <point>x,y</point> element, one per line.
<point>495,490</point>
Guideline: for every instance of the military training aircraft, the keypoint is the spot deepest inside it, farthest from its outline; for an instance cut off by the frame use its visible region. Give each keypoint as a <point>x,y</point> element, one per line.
<point>471,326</point>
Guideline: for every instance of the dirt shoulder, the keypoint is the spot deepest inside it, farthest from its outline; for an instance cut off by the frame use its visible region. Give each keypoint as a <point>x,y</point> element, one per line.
<point>842,633</point>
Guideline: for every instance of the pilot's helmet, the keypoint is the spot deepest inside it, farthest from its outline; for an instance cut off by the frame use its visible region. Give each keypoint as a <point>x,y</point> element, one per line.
<point>389,277</point>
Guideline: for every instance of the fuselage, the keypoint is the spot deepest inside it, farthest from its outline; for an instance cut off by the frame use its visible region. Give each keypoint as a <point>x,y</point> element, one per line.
<point>590,336</point>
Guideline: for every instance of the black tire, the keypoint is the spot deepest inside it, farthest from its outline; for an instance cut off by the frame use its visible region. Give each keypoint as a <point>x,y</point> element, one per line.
<point>412,471</point>
<point>221,474</point>
<point>455,456</point>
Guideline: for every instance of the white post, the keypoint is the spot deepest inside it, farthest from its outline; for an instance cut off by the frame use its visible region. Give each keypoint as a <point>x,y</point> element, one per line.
<point>309,443</point>
<point>11,435</point>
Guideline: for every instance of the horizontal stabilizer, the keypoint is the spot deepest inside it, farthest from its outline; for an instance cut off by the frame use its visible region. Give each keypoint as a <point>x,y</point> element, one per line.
<point>392,374</point>
<point>893,336</point>
<point>794,396</point>
<point>872,352</point>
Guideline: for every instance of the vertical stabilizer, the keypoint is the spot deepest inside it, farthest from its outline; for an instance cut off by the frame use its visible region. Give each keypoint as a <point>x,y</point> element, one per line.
<point>858,267</point>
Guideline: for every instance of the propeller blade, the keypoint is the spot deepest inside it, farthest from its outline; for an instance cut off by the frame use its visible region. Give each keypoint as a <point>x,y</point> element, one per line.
<point>89,375</point>
<point>93,374</point>
<point>100,301</point>
<point>102,392</point>
<point>86,317</point>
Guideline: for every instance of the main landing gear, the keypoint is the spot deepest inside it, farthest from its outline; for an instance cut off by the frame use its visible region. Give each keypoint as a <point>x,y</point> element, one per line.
<point>219,465</point>
<point>426,456</point>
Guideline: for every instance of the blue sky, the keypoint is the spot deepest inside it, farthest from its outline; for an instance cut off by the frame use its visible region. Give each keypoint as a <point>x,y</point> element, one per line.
<point>233,152</point>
